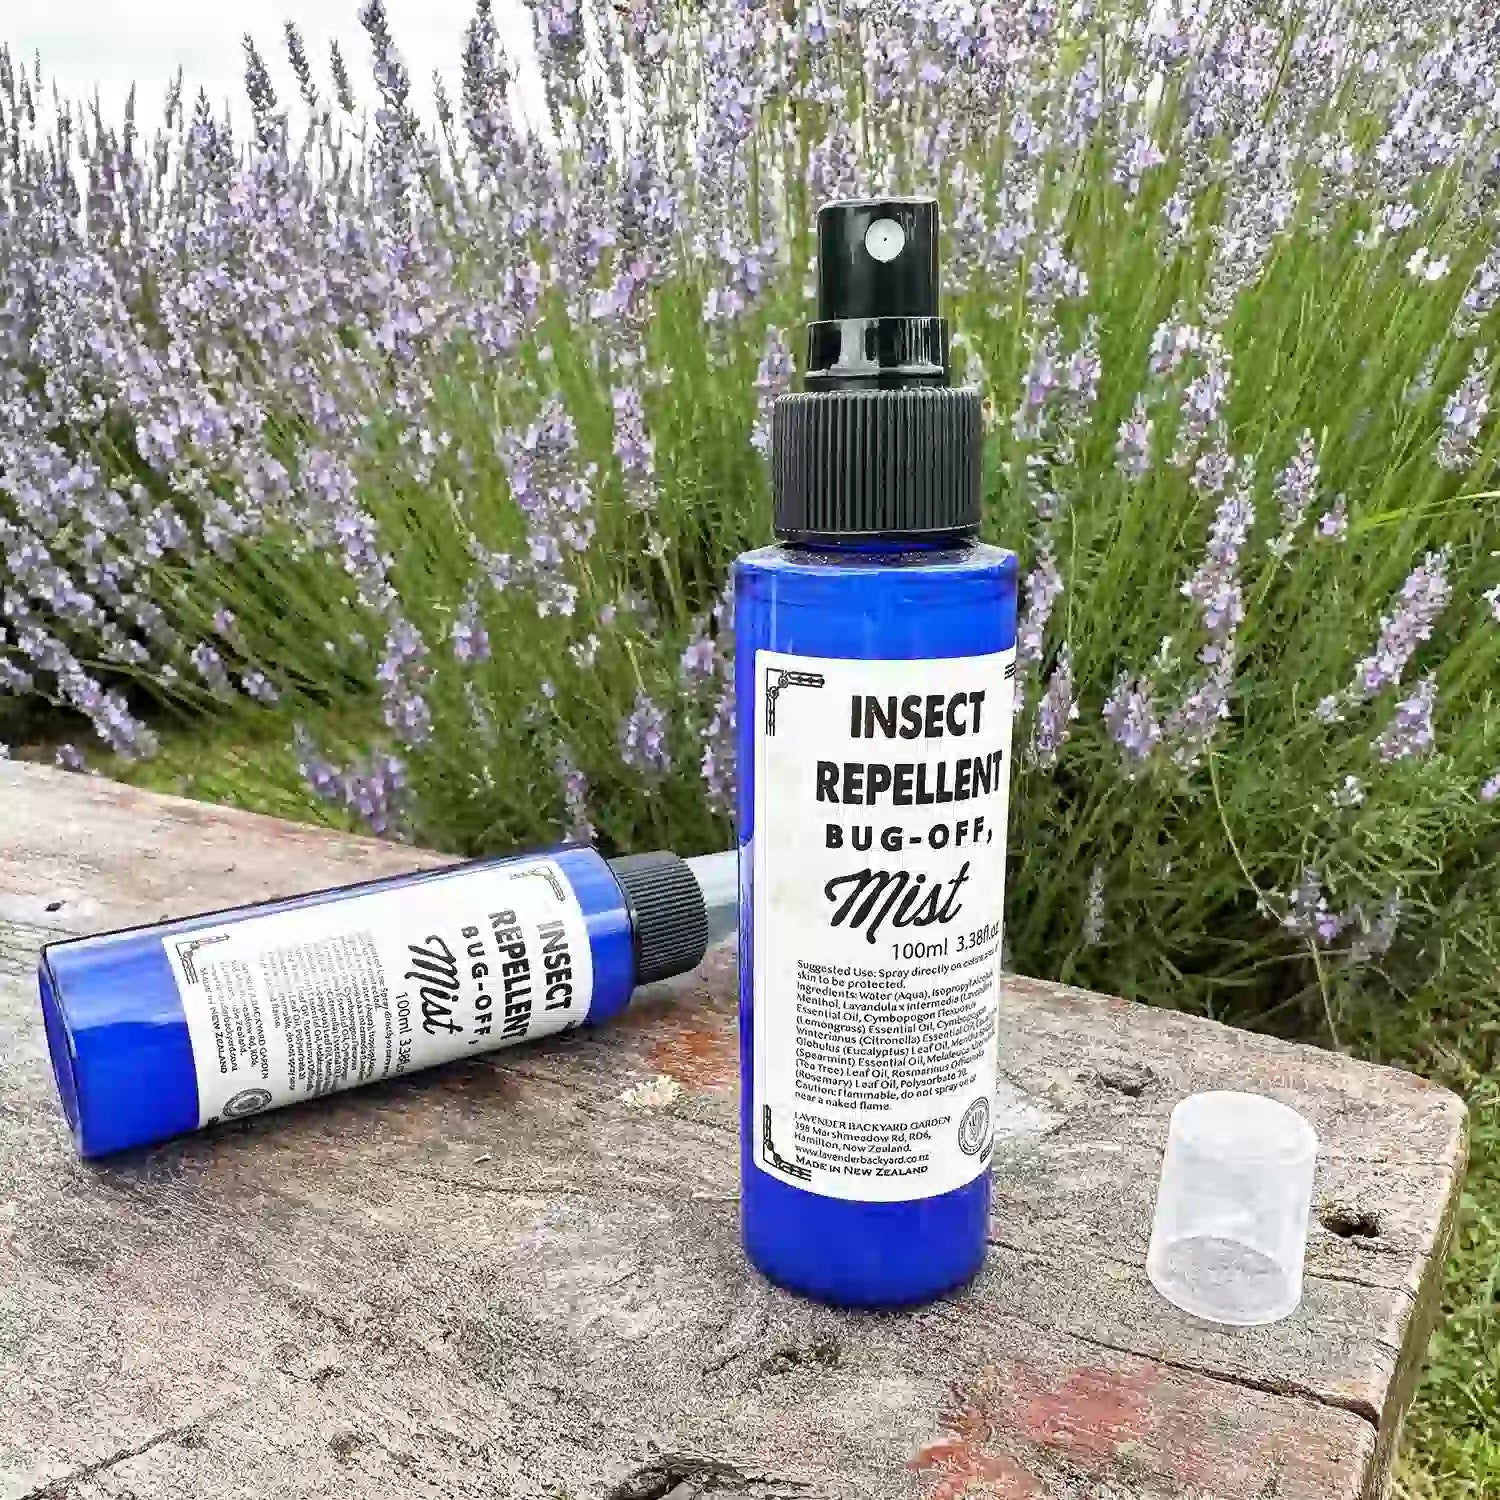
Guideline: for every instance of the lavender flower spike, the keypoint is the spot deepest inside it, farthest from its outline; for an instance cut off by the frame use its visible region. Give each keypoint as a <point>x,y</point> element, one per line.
<point>1308,913</point>
<point>1410,735</point>
<point>575,789</point>
<point>1058,709</point>
<point>1133,445</point>
<point>1333,524</point>
<point>1374,938</point>
<point>1042,588</point>
<point>1093,911</point>
<point>1296,487</point>
<point>1350,794</point>
<point>643,738</point>
<point>772,379</point>
<point>1464,414</point>
<point>1422,599</point>
<point>1130,716</point>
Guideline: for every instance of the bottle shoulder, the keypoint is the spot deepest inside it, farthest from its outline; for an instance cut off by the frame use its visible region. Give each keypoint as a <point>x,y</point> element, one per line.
<point>972,559</point>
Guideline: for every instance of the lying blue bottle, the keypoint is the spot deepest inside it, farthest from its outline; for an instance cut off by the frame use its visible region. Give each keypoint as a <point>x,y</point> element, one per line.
<point>875,651</point>
<point>160,1030</point>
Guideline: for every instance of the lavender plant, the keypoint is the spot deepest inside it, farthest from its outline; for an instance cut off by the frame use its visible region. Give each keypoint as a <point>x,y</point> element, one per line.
<point>431,445</point>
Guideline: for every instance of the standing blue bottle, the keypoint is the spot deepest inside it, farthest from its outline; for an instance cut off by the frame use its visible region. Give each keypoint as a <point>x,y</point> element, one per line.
<point>875,677</point>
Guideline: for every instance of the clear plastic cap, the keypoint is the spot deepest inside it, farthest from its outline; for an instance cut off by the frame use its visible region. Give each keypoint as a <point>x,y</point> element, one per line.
<point>1232,1208</point>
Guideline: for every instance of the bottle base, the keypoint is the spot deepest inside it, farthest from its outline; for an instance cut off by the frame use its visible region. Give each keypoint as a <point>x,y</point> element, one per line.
<point>869,1255</point>
<point>837,1291</point>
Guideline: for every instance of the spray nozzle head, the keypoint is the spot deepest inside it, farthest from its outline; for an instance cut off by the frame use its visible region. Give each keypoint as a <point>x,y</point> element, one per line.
<point>878,325</point>
<point>878,259</point>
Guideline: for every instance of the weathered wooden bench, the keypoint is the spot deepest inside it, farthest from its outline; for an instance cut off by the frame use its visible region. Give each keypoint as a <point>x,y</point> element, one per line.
<point>510,1279</point>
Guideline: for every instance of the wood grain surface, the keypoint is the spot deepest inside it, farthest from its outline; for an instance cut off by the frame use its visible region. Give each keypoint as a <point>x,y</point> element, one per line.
<point>507,1278</point>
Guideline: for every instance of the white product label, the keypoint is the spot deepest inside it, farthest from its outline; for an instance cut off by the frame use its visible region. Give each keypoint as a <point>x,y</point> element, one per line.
<point>881,790</point>
<point>299,1003</point>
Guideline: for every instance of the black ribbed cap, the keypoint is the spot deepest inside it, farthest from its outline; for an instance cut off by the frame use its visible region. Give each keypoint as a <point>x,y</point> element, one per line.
<point>872,463</point>
<point>877,444</point>
<point>668,920</point>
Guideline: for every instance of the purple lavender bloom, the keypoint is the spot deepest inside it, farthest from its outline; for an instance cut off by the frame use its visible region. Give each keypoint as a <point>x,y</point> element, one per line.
<point>258,686</point>
<point>643,738</point>
<point>1042,589</point>
<point>575,790</point>
<point>1464,414</point>
<point>1350,794</point>
<point>1423,597</point>
<point>699,658</point>
<point>1296,488</point>
<point>1133,446</point>
<point>1054,276</point>
<point>1135,161</point>
<point>1211,471</point>
<point>1093,908</point>
<point>1308,912</point>
<point>1206,396</point>
<point>1375,937</point>
<point>633,446</point>
<point>1410,734</point>
<point>1130,716</point>
<point>717,766</point>
<point>1481,296</point>
<point>1334,522</point>
<point>555,495</point>
<point>373,789</point>
<point>773,378</point>
<point>1057,709</point>
<point>1042,380</point>
<point>1172,344</point>
<point>210,667</point>
<point>69,758</point>
<point>1490,790</point>
<point>318,772</point>
<point>1060,390</point>
<point>471,641</point>
<point>1193,723</point>
<point>402,674</point>
<point>1214,587</point>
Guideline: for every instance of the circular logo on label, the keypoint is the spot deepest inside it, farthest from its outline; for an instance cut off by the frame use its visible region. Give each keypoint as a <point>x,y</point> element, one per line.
<point>247,1101</point>
<point>974,1128</point>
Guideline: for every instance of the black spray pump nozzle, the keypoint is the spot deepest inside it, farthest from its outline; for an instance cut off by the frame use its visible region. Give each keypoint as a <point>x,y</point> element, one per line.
<point>878,325</point>
<point>878,259</point>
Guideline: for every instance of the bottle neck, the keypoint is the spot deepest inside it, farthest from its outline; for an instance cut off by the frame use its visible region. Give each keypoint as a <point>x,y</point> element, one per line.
<point>896,541</point>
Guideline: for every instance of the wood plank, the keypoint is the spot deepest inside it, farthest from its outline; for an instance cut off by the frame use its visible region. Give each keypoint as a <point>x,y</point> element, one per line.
<point>505,1279</point>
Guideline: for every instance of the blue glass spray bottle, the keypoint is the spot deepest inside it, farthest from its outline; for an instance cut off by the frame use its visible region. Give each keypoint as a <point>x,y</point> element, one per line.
<point>875,649</point>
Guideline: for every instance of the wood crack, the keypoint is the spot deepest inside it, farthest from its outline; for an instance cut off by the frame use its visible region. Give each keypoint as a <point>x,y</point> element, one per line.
<point>1284,1388</point>
<point>1345,1278</point>
<point>62,1486</point>
<point>517,1189</point>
